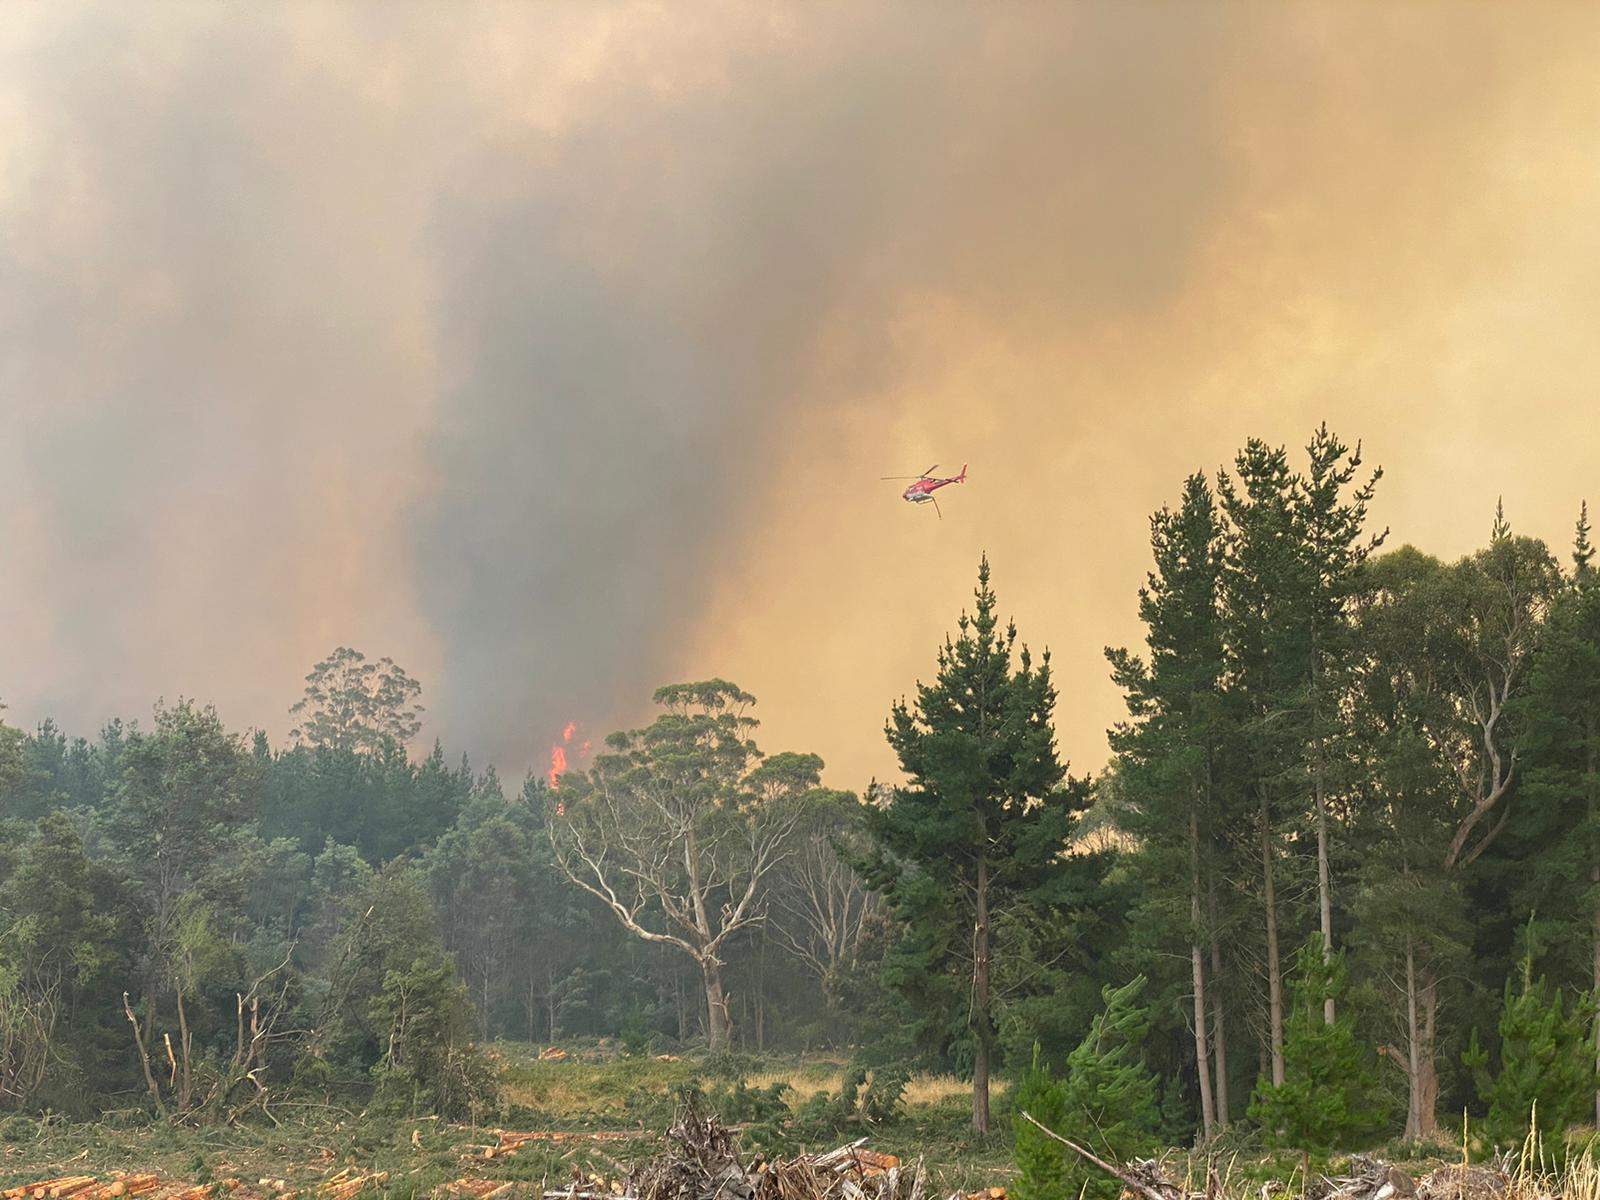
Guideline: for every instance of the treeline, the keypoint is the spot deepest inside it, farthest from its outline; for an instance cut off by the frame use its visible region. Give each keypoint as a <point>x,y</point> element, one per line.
<point>1341,877</point>
<point>194,921</point>
<point>1387,759</point>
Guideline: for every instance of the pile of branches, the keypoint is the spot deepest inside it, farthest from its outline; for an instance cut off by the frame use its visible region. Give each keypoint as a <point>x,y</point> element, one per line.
<point>701,1161</point>
<point>1364,1178</point>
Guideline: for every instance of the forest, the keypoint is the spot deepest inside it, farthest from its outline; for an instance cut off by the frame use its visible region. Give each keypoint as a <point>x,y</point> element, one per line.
<point>1338,887</point>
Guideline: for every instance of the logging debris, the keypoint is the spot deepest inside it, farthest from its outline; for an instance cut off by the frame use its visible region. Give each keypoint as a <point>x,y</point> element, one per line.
<point>701,1161</point>
<point>508,1143</point>
<point>346,1185</point>
<point>1365,1178</point>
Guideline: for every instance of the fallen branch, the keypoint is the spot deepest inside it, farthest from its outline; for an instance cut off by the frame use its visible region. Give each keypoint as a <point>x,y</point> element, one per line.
<point>1133,1184</point>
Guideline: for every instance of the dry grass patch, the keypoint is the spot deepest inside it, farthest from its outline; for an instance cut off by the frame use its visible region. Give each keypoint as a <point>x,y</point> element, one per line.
<point>928,1089</point>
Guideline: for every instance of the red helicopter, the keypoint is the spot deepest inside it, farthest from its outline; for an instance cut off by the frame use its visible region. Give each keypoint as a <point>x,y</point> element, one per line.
<point>923,489</point>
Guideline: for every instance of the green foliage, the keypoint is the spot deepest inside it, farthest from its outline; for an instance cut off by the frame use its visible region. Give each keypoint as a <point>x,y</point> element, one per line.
<point>1325,1100</point>
<point>1105,1100</point>
<point>976,832</point>
<point>395,1008</point>
<point>1041,1161</point>
<point>356,705</point>
<point>1435,725</point>
<point>1546,1062</point>
<point>429,1063</point>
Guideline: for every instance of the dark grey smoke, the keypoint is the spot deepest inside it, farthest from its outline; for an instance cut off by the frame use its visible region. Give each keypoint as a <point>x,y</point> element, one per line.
<point>631,317</point>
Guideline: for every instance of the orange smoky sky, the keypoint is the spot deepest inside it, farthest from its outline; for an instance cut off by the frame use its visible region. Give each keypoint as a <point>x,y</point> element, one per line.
<point>555,350</point>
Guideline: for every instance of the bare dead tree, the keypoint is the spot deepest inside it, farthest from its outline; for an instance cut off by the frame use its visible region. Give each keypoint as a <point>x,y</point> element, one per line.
<point>825,906</point>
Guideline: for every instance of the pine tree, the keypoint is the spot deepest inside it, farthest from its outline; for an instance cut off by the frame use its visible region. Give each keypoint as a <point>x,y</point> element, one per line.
<point>1263,608</point>
<point>1106,1101</point>
<point>1546,1069</point>
<point>1168,752</point>
<point>977,830</point>
<point>1041,1160</point>
<point>1559,819</point>
<point>1330,519</point>
<point>1323,1103</point>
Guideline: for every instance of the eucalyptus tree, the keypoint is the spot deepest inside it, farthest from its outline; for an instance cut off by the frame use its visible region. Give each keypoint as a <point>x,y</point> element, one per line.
<point>1450,651</point>
<point>826,907</point>
<point>680,828</point>
<point>351,704</point>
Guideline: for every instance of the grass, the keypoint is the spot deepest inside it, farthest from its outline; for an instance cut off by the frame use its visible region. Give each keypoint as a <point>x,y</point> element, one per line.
<point>807,1079</point>
<point>597,1088</point>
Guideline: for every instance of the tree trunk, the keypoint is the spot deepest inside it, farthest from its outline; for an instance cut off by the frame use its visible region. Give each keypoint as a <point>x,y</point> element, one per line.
<point>1218,1024</point>
<point>682,1002</point>
<point>144,1055</point>
<point>761,998</point>
<point>184,1090</point>
<point>980,1005</point>
<point>1202,1052</point>
<point>1318,787</point>
<point>718,1024</point>
<point>1422,1004</point>
<point>1427,1067</point>
<point>1324,886</point>
<point>1594,880</point>
<point>1274,970</point>
<point>1413,1039</point>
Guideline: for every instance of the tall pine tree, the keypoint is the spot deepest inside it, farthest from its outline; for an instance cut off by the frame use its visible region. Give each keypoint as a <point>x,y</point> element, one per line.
<point>978,828</point>
<point>1560,820</point>
<point>1168,754</point>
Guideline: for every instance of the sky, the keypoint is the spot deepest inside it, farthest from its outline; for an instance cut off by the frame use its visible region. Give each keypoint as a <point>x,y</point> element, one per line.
<point>556,350</point>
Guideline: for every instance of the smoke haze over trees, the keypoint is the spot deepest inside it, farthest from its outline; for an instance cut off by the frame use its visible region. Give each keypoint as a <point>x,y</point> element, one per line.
<point>1347,888</point>
<point>524,343</point>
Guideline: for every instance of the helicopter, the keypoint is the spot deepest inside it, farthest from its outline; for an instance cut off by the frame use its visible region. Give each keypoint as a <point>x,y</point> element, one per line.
<point>921,492</point>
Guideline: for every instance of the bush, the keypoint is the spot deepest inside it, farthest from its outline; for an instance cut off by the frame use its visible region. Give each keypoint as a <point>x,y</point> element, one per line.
<point>1546,1062</point>
<point>1325,1101</point>
<point>396,1012</point>
<point>1041,1160</point>
<point>1105,1101</point>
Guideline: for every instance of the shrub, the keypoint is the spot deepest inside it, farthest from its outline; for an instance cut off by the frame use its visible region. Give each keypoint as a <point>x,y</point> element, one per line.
<point>1106,1101</point>
<point>1324,1102</point>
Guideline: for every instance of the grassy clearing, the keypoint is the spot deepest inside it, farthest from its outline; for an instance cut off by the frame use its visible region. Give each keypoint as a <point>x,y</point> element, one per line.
<point>597,1088</point>
<point>807,1079</point>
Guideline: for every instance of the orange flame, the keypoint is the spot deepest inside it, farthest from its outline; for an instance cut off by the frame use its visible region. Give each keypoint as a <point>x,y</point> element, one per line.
<point>558,754</point>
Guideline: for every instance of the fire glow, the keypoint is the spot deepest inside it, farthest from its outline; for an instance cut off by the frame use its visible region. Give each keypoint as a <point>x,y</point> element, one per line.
<point>558,754</point>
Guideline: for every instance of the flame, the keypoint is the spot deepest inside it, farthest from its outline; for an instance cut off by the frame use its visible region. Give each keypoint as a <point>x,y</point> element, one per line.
<point>558,756</point>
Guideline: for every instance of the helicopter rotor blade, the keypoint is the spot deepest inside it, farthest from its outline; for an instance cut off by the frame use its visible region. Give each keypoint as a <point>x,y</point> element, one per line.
<point>936,507</point>
<point>901,477</point>
<point>929,471</point>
